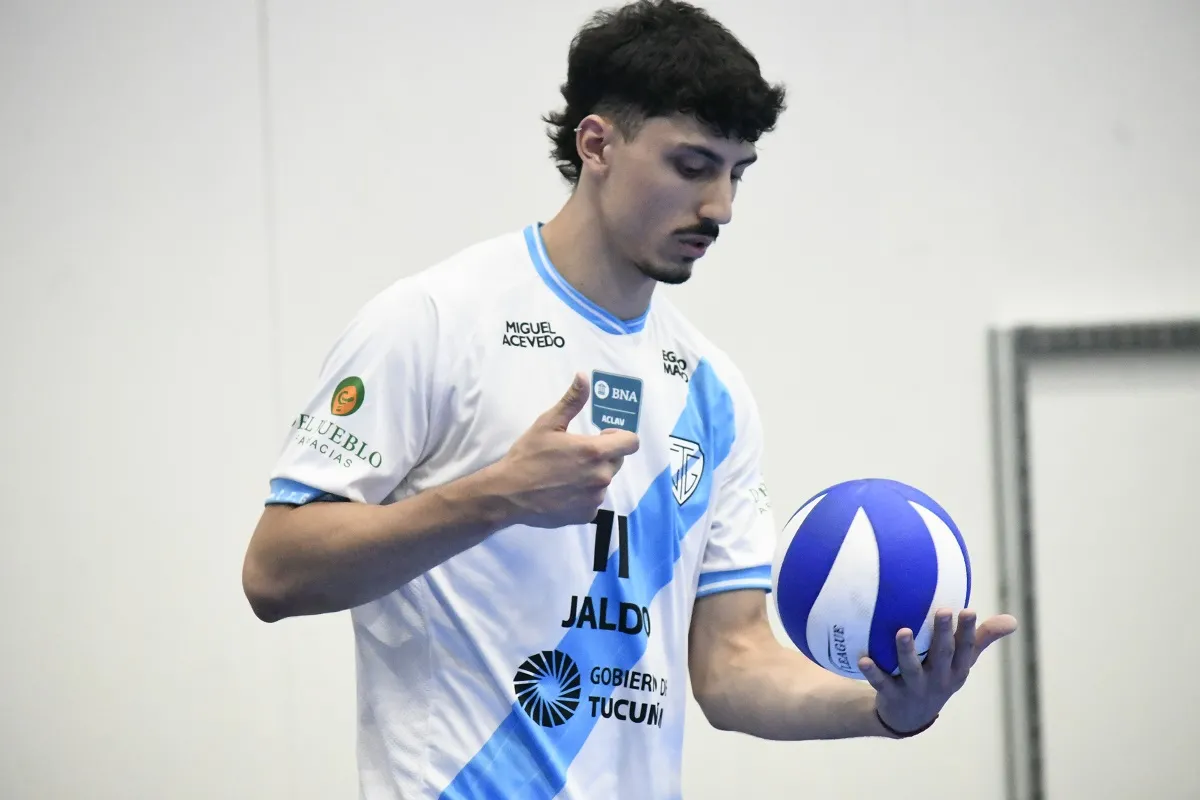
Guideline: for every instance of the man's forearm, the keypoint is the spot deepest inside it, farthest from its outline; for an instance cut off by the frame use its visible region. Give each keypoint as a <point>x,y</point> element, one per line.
<point>779,694</point>
<point>328,557</point>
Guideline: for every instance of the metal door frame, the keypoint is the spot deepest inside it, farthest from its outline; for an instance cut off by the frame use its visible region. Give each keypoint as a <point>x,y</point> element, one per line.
<point>1012,351</point>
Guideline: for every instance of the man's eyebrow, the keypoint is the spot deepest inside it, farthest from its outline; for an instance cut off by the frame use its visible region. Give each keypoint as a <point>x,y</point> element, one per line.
<point>715,157</point>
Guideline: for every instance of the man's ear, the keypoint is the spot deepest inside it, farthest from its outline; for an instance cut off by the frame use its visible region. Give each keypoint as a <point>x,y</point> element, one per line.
<point>593,138</point>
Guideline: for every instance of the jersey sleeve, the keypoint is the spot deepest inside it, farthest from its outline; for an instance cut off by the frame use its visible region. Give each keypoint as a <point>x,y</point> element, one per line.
<point>365,423</point>
<point>741,539</point>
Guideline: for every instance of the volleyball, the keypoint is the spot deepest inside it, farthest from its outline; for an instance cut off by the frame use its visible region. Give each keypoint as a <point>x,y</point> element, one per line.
<point>860,561</point>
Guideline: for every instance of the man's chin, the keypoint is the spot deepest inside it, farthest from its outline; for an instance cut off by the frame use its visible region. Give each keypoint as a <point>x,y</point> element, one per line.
<point>674,274</point>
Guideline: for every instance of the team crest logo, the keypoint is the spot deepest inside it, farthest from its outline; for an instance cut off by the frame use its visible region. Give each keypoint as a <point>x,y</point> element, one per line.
<point>347,397</point>
<point>687,468</point>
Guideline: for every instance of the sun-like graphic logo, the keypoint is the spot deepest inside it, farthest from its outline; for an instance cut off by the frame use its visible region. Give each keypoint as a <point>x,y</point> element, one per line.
<point>548,687</point>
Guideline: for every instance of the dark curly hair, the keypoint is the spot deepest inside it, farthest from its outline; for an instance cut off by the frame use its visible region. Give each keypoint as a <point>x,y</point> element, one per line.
<point>655,58</point>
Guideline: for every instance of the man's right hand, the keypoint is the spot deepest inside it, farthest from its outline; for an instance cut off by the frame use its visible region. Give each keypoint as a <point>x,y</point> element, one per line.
<point>557,478</point>
<point>326,557</point>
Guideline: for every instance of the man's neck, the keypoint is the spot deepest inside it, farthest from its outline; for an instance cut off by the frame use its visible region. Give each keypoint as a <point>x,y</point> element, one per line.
<point>577,248</point>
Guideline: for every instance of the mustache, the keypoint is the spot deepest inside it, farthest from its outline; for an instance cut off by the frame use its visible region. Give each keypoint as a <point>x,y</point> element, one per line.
<point>705,228</point>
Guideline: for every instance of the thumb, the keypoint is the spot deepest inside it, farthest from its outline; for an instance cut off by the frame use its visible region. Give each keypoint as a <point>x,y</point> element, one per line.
<point>993,630</point>
<point>569,405</point>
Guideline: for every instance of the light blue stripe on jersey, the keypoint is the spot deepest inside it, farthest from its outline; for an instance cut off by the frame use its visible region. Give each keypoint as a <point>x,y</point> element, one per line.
<point>288,492</point>
<point>523,759</point>
<point>570,295</point>
<point>749,578</point>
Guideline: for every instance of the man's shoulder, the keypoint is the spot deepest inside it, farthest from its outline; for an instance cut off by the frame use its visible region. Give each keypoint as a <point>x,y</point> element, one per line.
<point>684,340</point>
<point>460,283</point>
<point>473,270</point>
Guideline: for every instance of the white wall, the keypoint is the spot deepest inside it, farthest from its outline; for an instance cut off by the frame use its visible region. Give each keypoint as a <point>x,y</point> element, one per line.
<point>140,408</point>
<point>195,197</point>
<point>1115,462</point>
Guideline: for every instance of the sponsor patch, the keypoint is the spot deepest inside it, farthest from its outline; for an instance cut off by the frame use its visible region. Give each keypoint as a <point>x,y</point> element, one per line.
<point>616,400</point>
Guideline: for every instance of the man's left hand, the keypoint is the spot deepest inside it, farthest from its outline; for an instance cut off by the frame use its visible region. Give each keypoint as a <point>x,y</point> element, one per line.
<point>912,699</point>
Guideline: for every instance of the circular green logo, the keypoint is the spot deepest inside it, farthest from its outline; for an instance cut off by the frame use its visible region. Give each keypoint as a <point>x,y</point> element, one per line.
<point>347,397</point>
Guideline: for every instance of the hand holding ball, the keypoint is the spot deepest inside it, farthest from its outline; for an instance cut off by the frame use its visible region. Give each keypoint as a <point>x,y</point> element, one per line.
<point>859,562</point>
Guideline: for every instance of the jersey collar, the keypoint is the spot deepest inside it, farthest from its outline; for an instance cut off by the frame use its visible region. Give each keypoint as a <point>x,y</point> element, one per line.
<point>593,313</point>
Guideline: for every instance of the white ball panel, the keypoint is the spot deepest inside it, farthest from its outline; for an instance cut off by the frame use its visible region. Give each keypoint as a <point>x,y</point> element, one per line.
<point>952,574</point>
<point>844,611</point>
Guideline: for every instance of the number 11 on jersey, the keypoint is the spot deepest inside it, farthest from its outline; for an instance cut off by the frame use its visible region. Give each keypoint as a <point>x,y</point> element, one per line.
<point>604,527</point>
<point>609,613</point>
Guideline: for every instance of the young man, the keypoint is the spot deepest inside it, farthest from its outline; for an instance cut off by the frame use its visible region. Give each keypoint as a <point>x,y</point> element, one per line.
<point>534,575</point>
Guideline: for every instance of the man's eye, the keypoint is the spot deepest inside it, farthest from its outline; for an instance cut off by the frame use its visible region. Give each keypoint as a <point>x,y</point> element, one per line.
<point>690,170</point>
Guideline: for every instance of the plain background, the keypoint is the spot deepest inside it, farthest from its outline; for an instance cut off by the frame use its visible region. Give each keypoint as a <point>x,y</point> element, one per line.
<point>1115,451</point>
<point>195,198</point>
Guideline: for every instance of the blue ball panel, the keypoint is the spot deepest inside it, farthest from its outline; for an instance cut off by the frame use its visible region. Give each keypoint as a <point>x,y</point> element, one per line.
<point>908,570</point>
<point>806,564</point>
<point>925,501</point>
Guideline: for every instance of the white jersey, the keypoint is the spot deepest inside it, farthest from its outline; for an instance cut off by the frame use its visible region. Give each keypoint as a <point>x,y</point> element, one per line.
<point>539,663</point>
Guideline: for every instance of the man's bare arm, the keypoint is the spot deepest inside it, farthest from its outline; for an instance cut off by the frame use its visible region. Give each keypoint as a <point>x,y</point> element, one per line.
<point>325,557</point>
<point>745,681</point>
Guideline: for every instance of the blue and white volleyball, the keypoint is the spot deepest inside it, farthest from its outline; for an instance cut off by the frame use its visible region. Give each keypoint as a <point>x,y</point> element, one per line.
<point>860,561</point>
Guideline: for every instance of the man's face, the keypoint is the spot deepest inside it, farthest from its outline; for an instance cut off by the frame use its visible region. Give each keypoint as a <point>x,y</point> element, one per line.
<point>667,191</point>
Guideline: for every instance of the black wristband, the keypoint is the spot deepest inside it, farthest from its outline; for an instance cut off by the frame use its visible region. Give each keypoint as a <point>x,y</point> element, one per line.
<point>903,734</point>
